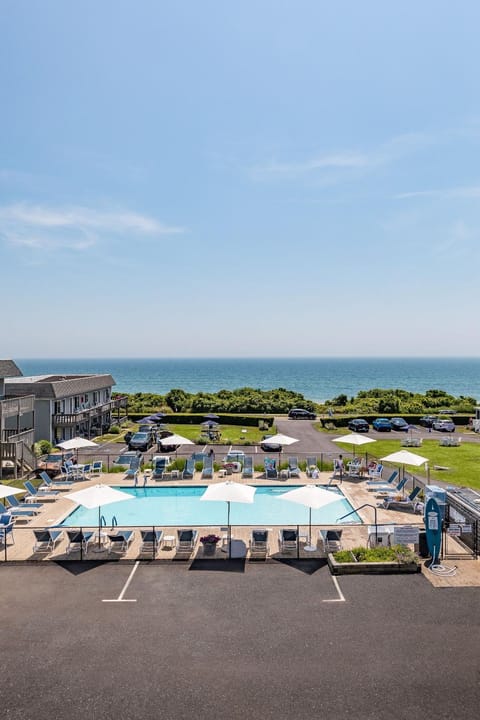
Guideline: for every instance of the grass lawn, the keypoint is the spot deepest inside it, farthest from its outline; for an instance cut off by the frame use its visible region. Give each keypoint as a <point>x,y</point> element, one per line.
<point>230,434</point>
<point>463,462</point>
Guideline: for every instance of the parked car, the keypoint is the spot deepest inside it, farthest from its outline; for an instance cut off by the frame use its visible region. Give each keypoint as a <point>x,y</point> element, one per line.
<point>235,456</point>
<point>270,447</point>
<point>444,425</point>
<point>382,425</point>
<point>427,420</point>
<point>141,441</point>
<point>300,414</point>
<point>399,424</point>
<point>358,425</point>
<point>125,459</point>
<point>52,464</point>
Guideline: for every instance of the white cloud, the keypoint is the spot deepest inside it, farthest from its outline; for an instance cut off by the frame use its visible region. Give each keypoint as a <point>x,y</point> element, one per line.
<point>332,161</point>
<point>75,228</point>
<point>461,192</point>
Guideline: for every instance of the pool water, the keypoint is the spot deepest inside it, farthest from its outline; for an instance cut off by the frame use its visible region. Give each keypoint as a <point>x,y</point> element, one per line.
<point>178,506</point>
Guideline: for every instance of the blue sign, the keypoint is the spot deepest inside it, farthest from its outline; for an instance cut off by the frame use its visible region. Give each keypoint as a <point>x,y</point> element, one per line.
<point>433,526</point>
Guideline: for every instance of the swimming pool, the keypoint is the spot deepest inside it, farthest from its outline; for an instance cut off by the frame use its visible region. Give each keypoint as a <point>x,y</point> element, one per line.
<point>178,506</point>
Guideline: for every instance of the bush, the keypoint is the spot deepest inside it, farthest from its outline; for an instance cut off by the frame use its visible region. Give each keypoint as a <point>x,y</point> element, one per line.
<point>115,430</point>
<point>396,553</point>
<point>42,447</point>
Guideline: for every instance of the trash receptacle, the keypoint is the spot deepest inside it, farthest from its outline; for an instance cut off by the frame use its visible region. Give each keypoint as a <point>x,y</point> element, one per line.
<point>422,544</point>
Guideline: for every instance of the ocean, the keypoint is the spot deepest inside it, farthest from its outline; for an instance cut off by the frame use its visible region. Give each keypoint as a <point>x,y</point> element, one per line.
<point>317,379</point>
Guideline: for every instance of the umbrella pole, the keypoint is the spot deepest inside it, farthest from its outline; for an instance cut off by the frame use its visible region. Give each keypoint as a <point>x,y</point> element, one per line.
<point>99,526</point>
<point>229,536</point>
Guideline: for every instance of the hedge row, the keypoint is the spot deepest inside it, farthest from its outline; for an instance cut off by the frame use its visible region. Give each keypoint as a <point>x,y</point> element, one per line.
<point>192,419</point>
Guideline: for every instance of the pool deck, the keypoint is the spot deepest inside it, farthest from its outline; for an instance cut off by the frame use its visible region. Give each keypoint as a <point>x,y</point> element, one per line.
<point>355,490</point>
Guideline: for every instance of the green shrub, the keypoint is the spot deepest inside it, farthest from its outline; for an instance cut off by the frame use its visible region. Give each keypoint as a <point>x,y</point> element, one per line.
<point>42,447</point>
<point>396,553</point>
<point>114,430</point>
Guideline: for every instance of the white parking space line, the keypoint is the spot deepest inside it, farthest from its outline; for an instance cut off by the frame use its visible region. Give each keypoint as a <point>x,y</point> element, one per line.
<point>125,587</point>
<point>341,597</point>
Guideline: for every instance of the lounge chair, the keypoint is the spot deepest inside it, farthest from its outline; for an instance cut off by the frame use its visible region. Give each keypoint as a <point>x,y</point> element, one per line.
<point>311,465</point>
<point>189,470</point>
<point>133,469</point>
<point>331,540</point>
<point>259,542</point>
<point>38,495</point>
<point>14,502</point>
<point>186,540</point>
<point>408,503</point>
<point>45,540</point>
<point>288,540</point>
<point>247,471</point>
<point>6,528</point>
<point>390,480</point>
<point>49,484</point>
<point>159,467</point>
<point>120,541</point>
<point>207,471</point>
<point>18,512</point>
<point>293,469</point>
<point>387,491</point>
<point>151,541</point>
<point>271,472</point>
<point>78,540</point>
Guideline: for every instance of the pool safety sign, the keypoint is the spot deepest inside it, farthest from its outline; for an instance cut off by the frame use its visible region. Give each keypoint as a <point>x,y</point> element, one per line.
<point>405,535</point>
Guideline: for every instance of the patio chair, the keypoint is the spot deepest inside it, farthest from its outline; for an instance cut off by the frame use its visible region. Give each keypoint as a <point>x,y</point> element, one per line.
<point>159,467</point>
<point>376,472</point>
<point>186,540</point>
<point>293,469</point>
<point>6,528</point>
<point>120,541</point>
<point>45,540</point>
<point>151,541</point>
<point>87,469</point>
<point>189,470</point>
<point>18,511</point>
<point>247,471</point>
<point>78,540</point>
<point>390,481</point>
<point>15,503</point>
<point>207,471</point>
<point>96,468</point>
<point>331,540</point>
<point>38,495</point>
<point>271,472</point>
<point>408,503</point>
<point>311,464</point>
<point>49,484</point>
<point>259,542</point>
<point>288,540</point>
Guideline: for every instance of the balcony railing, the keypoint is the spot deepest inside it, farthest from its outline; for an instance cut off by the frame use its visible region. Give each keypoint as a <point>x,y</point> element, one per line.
<point>17,406</point>
<point>85,414</point>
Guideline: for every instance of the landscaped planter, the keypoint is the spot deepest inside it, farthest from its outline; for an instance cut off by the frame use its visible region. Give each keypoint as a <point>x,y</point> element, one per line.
<point>372,568</point>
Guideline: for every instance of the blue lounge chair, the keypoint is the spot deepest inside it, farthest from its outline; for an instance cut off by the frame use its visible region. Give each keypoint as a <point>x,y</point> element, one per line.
<point>259,542</point>
<point>287,539</point>
<point>331,540</point>
<point>120,541</point>
<point>189,470</point>
<point>45,540</point>
<point>151,541</point>
<point>207,471</point>
<point>293,469</point>
<point>247,471</point>
<point>390,480</point>
<point>18,512</point>
<point>49,484</point>
<point>14,502</point>
<point>387,491</point>
<point>186,540</point>
<point>6,528</point>
<point>159,466</point>
<point>311,465</point>
<point>78,540</point>
<point>408,503</point>
<point>36,495</point>
<point>270,465</point>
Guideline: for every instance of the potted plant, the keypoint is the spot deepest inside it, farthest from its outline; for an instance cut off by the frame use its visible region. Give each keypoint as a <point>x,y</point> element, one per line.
<point>209,543</point>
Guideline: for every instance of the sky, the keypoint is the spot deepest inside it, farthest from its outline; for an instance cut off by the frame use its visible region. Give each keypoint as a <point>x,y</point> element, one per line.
<point>239,179</point>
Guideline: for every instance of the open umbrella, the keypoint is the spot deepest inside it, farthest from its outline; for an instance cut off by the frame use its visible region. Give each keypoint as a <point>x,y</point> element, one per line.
<point>76,443</point>
<point>176,440</point>
<point>211,416</point>
<point>280,439</point>
<point>210,424</point>
<point>96,496</point>
<point>354,439</point>
<point>229,491</point>
<point>7,490</point>
<point>313,497</point>
<point>405,457</point>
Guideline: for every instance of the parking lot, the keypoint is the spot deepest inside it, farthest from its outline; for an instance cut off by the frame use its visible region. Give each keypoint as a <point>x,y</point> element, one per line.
<point>229,640</point>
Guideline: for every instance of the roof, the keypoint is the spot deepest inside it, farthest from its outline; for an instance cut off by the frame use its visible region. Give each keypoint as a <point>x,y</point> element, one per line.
<point>57,386</point>
<point>9,369</point>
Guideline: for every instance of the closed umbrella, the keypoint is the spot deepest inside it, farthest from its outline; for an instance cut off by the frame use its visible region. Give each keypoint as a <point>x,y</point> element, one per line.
<point>312,497</point>
<point>96,496</point>
<point>229,491</point>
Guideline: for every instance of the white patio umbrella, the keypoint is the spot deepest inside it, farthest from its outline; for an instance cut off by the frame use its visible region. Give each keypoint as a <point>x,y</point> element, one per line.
<point>354,439</point>
<point>7,490</point>
<point>76,443</point>
<point>176,440</point>
<point>96,496</point>
<point>229,491</point>
<point>280,439</point>
<point>313,497</point>
<point>405,457</point>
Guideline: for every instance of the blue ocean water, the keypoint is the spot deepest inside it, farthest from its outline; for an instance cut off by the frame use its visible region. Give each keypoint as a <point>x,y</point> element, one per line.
<point>318,379</point>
